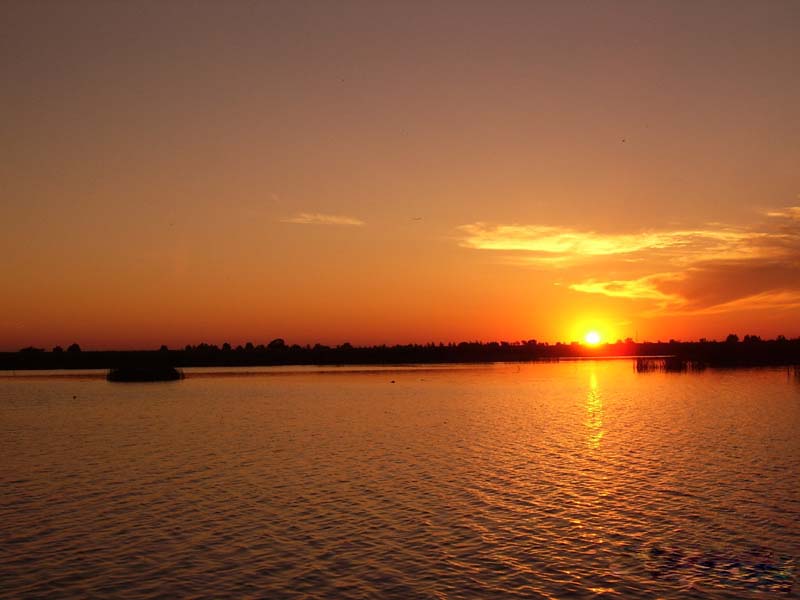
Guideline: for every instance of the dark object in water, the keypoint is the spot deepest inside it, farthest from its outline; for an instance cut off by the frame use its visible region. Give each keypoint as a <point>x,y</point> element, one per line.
<point>668,364</point>
<point>145,374</point>
<point>758,569</point>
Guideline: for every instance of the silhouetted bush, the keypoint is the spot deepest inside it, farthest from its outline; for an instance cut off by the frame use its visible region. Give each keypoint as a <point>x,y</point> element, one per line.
<point>277,344</point>
<point>31,350</point>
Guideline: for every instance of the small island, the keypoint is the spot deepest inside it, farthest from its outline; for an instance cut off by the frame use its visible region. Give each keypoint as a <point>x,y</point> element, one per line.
<point>138,374</point>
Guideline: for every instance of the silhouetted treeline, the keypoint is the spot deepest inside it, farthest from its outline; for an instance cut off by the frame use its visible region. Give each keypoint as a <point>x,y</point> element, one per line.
<point>750,351</point>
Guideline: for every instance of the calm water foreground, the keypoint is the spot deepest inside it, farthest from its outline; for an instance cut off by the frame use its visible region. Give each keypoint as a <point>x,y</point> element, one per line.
<point>559,480</point>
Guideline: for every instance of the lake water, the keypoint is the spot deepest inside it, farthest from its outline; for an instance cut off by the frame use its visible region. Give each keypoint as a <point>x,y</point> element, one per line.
<point>571,479</point>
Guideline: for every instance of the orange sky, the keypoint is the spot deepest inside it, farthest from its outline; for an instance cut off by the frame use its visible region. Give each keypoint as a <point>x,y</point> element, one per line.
<point>393,172</point>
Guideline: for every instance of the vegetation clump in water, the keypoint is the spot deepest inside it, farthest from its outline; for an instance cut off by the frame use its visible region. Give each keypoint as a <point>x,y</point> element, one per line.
<point>125,374</point>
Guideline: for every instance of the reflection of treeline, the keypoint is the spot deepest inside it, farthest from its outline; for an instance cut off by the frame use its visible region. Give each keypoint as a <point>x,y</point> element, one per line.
<point>749,351</point>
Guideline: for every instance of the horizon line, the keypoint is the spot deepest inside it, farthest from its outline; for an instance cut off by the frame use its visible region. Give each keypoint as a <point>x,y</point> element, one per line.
<point>348,346</point>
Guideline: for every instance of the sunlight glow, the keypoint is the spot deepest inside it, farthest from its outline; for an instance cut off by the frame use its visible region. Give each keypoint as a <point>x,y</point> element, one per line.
<point>592,338</point>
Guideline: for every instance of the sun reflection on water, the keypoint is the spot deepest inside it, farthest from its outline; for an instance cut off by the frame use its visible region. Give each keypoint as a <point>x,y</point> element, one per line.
<point>594,408</point>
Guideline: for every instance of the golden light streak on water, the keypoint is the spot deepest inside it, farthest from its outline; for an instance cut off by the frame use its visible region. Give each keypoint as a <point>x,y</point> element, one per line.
<point>594,408</point>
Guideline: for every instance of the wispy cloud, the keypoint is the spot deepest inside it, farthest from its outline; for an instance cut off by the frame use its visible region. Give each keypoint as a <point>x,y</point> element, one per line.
<point>304,218</point>
<point>792,212</point>
<point>566,244</point>
<point>704,270</point>
<point>646,288</point>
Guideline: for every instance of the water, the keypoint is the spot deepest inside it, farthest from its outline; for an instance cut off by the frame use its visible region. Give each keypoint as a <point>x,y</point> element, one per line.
<point>560,480</point>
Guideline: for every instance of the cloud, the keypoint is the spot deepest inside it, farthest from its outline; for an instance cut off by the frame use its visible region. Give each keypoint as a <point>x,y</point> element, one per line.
<point>643,288</point>
<point>712,288</point>
<point>725,286</point>
<point>792,212</point>
<point>704,270</point>
<point>563,244</point>
<point>321,219</point>
<point>776,300</point>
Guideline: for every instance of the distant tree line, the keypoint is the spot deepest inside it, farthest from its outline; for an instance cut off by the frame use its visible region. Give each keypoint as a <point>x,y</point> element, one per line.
<point>749,351</point>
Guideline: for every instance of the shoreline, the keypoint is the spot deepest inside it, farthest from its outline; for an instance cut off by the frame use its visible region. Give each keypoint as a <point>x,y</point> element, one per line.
<point>93,362</point>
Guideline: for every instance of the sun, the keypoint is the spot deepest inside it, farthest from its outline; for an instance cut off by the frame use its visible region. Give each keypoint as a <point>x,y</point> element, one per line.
<point>592,338</point>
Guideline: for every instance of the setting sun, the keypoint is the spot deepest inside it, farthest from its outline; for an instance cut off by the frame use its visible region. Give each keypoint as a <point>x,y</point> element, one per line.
<point>592,338</point>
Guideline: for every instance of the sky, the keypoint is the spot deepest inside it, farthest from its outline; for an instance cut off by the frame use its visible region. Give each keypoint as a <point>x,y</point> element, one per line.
<point>393,172</point>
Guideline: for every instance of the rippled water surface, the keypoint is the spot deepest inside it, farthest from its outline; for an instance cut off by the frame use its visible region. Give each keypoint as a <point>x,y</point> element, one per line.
<point>538,480</point>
